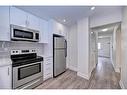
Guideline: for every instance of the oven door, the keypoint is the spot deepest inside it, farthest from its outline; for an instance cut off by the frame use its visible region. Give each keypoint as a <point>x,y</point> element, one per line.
<point>26,73</point>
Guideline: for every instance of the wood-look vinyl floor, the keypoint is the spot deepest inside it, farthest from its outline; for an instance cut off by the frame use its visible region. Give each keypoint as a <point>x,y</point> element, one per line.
<point>103,77</point>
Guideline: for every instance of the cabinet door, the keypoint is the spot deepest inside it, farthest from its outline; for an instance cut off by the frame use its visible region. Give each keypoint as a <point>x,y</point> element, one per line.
<point>47,68</point>
<point>6,77</point>
<point>4,25</point>
<point>32,22</point>
<point>18,17</point>
<point>58,28</point>
<point>43,31</point>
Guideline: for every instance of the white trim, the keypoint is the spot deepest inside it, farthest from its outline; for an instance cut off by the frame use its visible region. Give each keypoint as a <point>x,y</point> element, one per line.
<point>72,68</point>
<point>83,75</point>
<point>121,84</point>
<point>116,68</point>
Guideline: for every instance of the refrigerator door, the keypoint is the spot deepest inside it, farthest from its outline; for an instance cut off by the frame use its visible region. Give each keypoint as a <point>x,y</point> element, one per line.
<point>59,42</point>
<point>59,61</point>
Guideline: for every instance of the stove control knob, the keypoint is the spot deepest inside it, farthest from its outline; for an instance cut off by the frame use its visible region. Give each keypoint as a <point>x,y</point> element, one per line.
<point>33,50</point>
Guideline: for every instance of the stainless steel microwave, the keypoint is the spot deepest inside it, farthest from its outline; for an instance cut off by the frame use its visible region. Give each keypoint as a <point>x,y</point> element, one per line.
<point>19,33</point>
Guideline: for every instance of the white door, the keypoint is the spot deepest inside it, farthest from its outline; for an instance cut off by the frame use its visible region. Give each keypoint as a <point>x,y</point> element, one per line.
<point>4,25</point>
<point>18,17</point>
<point>6,77</point>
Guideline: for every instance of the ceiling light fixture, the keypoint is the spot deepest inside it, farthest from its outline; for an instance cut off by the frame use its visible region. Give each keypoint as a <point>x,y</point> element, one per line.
<point>64,20</point>
<point>104,30</point>
<point>92,8</point>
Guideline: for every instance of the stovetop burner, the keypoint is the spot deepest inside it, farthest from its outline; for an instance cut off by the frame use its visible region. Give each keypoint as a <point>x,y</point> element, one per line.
<point>26,61</point>
<point>20,58</point>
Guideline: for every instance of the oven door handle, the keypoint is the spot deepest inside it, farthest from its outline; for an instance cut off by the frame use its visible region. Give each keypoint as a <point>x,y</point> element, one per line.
<point>28,64</point>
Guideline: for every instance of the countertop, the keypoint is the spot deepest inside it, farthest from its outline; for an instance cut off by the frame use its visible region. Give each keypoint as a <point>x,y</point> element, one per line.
<point>46,56</point>
<point>4,61</point>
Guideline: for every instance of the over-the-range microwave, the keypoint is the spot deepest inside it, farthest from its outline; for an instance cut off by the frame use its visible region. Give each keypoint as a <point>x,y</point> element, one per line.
<point>19,33</point>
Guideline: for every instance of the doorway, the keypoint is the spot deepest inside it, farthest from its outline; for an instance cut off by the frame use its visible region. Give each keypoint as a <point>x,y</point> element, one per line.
<point>104,51</point>
<point>104,47</point>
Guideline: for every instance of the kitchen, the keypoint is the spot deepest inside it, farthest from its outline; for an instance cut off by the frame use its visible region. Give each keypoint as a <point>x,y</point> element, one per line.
<point>35,47</point>
<point>30,42</point>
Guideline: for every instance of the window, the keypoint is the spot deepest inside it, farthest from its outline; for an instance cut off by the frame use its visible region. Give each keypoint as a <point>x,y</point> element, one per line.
<point>99,45</point>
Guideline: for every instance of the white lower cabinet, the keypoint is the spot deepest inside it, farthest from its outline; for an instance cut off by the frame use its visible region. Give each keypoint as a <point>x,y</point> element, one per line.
<point>6,77</point>
<point>47,68</point>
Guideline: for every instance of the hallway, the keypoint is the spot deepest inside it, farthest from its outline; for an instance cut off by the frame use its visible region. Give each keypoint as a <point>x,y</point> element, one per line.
<point>103,77</point>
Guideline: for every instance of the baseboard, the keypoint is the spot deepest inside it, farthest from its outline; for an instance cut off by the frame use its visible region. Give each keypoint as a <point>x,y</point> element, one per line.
<point>104,56</point>
<point>83,76</point>
<point>117,70</point>
<point>121,84</point>
<point>72,68</point>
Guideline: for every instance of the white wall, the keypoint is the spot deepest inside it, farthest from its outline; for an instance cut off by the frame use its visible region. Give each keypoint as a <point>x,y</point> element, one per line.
<point>108,16</point>
<point>105,47</point>
<point>93,51</point>
<point>123,81</point>
<point>72,58</point>
<point>116,48</point>
<point>83,47</point>
<point>111,49</point>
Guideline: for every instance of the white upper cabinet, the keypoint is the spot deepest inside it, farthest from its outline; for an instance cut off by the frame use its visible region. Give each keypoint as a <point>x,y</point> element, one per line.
<point>43,31</point>
<point>18,17</point>
<point>32,22</point>
<point>58,28</point>
<point>22,18</point>
<point>4,25</point>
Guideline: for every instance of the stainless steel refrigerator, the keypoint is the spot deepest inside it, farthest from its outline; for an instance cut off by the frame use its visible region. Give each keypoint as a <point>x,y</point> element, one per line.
<point>59,55</point>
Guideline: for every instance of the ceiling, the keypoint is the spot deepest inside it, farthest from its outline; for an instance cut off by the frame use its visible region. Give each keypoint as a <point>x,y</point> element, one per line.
<point>70,13</point>
<point>108,33</point>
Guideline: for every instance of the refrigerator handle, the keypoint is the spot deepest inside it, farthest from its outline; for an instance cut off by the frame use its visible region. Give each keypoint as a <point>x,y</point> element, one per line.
<point>65,48</point>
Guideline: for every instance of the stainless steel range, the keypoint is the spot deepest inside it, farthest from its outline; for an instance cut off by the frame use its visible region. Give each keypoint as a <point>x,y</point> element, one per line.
<point>27,69</point>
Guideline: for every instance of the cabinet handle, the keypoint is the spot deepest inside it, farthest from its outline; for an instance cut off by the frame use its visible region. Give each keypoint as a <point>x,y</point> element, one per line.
<point>8,71</point>
<point>26,23</point>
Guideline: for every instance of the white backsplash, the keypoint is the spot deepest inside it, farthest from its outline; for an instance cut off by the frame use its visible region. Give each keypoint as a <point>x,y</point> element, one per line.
<point>6,47</point>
